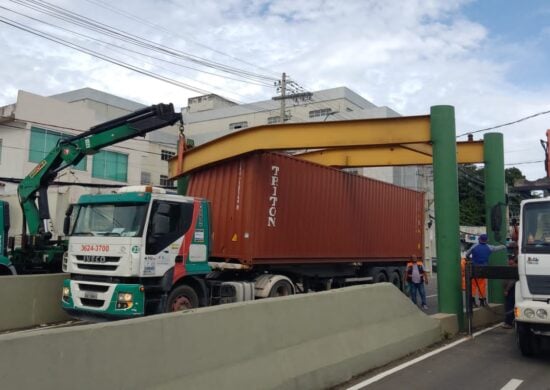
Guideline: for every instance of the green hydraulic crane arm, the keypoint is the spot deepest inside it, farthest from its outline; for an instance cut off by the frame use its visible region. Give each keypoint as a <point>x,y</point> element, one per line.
<point>70,151</point>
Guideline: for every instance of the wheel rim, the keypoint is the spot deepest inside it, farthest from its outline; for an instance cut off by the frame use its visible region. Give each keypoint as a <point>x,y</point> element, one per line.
<point>181,303</point>
<point>281,291</point>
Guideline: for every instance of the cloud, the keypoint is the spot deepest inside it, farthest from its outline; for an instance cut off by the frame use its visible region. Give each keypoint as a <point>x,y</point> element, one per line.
<point>406,55</point>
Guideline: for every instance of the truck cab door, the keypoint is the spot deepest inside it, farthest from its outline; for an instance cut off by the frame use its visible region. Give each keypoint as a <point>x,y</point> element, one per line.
<point>168,223</point>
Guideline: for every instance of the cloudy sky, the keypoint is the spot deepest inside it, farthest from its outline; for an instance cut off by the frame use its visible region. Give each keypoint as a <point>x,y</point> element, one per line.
<point>488,58</point>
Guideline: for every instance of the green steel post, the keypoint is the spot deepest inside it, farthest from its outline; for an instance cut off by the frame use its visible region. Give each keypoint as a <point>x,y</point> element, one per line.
<point>443,135</point>
<point>495,201</point>
<point>183,183</point>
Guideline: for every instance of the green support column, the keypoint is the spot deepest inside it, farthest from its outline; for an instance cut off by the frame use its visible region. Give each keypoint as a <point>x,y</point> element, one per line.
<point>443,135</point>
<point>183,183</point>
<point>495,199</point>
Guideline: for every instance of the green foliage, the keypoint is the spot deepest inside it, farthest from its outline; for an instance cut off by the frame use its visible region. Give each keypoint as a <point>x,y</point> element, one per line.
<point>471,193</point>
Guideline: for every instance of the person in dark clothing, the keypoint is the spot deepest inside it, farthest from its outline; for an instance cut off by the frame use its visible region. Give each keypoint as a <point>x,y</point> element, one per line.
<point>479,254</point>
<point>510,297</point>
<point>416,277</point>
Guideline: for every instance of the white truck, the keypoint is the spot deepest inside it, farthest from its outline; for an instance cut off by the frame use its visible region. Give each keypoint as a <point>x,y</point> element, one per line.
<point>532,306</point>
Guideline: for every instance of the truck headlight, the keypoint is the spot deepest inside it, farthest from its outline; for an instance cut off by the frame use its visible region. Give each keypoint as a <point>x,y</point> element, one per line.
<point>542,314</point>
<point>529,313</point>
<point>125,300</point>
<point>66,292</point>
<point>125,297</point>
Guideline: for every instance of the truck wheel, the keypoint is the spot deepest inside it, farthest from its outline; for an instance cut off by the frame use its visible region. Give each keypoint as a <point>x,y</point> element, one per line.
<point>524,339</point>
<point>281,289</point>
<point>380,277</point>
<point>395,279</point>
<point>182,298</point>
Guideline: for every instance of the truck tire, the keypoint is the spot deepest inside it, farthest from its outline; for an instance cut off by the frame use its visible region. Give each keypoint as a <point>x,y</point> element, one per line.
<point>183,297</point>
<point>281,289</point>
<point>380,276</point>
<point>525,339</point>
<point>395,279</point>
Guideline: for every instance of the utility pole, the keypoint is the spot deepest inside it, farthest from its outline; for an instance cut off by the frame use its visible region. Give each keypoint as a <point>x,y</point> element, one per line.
<point>283,98</point>
<point>297,93</point>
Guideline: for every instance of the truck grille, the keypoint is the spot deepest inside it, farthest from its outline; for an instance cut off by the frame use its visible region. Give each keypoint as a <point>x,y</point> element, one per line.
<point>538,284</point>
<point>99,267</point>
<point>92,295</point>
<point>97,263</point>
<point>91,302</point>
<point>93,287</point>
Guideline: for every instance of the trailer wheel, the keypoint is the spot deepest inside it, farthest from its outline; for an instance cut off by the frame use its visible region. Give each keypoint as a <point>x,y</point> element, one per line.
<point>525,339</point>
<point>395,279</point>
<point>380,277</point>
<point>182,297</point>
<point>281,289</point>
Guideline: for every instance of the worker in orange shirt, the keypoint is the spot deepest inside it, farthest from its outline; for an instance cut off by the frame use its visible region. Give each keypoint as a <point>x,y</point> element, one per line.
<point>416,278</point>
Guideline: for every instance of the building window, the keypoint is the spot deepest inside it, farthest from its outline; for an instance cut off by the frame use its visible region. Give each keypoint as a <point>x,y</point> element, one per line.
<point>164,182</point>
<point>145,178</point>
<point>44,141</point>
<point>238,125</point>
<point>110,166</point>
<point>166,155</point>
<point>273,119</point>
<point>321,112</point>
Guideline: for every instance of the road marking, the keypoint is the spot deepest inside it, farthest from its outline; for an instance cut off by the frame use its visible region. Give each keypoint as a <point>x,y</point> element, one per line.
<point>512,385</point>
<point>391,371</point>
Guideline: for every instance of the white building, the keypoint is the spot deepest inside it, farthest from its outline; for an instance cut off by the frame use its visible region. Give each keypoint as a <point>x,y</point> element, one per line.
<point>31,127</point>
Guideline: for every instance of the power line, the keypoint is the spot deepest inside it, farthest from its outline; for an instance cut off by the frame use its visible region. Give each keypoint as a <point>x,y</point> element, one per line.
<point>137,52</point>
<point>129,15</point>
<point>101,56</point>
<point>102,28</point>
<point>526,162</point>
<point>506,124</point>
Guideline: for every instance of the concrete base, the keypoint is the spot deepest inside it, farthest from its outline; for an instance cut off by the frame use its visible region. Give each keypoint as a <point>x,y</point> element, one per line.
<point>30,300</point>
<point>482,317</point>
<point>310,341</point>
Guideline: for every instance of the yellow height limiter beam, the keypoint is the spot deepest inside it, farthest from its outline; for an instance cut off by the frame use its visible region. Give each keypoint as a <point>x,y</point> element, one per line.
<point>406,154</point>
<point>406,133</point>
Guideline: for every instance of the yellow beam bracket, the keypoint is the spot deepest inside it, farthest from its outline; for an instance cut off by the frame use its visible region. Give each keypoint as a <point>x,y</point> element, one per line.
<point>314,135</point>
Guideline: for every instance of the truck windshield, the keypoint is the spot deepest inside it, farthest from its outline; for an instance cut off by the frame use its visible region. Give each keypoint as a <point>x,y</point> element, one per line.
<point>121,219</point>
<point>536,228</point>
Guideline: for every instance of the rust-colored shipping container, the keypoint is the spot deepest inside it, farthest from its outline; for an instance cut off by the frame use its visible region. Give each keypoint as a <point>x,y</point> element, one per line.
<point>270,208</point>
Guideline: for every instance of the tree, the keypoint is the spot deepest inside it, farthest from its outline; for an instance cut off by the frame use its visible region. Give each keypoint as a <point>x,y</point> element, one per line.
<point>471,193</point>
<point>471,190</point>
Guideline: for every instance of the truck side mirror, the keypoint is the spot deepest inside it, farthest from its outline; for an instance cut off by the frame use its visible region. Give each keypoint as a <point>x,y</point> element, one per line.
<point>67,221</point>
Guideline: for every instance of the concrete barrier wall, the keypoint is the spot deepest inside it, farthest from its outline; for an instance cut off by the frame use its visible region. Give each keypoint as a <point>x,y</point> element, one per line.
<point>310,341</point>
<point>30,300</point>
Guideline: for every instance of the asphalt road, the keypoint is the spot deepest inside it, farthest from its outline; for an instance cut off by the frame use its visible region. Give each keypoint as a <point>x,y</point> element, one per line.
<point>489,361</point>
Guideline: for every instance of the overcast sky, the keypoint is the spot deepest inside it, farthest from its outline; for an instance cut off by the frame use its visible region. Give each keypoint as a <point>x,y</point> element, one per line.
<point>488,58</point>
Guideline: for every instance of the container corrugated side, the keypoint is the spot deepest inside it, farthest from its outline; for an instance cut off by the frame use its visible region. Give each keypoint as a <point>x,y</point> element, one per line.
<point>269,208</point>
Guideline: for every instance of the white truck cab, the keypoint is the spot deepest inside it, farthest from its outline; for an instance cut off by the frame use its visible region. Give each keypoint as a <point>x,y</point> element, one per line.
<point>532,307</point>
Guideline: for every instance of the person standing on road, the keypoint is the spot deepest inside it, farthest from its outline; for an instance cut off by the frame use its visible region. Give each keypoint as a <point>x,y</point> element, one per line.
<point>479,254</point>
<point>510,297</point>
<point>416,277</point>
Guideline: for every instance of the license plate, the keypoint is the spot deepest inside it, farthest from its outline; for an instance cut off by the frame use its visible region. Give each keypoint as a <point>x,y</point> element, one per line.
<point>90,295</point>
